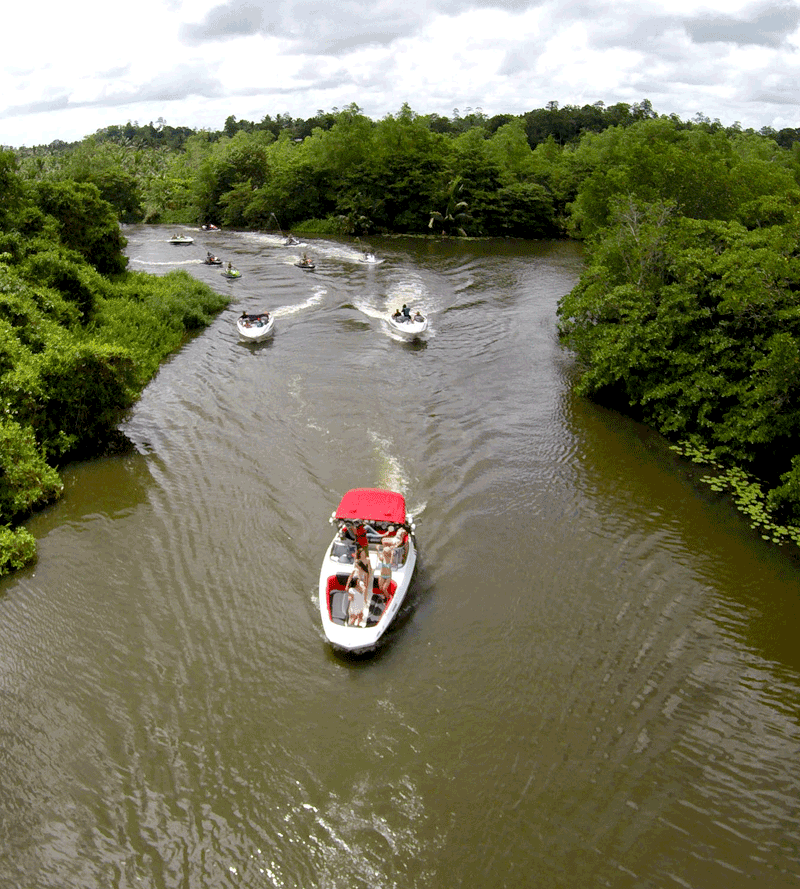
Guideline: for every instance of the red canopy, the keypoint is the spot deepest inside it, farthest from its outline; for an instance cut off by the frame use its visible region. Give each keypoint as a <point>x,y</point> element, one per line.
<point>372,504</point>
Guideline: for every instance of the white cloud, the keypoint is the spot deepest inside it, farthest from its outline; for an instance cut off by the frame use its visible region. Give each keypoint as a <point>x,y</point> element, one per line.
<point>195,64</point>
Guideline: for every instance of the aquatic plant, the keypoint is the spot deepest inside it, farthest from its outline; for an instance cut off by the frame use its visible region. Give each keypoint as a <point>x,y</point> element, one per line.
<point>746,492</point>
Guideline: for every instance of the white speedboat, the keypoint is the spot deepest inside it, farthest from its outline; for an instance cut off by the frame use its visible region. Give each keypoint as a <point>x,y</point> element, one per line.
<point>408,326</point>
<point>255,328</point>
<point>373,530</point>
<point>368,257</point>
<point>184,240</point>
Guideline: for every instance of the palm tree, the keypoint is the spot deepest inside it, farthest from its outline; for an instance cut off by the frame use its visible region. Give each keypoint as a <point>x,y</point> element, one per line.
<point>456,212</point>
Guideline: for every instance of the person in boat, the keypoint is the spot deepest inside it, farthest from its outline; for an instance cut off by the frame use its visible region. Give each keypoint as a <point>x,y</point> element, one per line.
<point>406,312</point>
<point>230,268</point>
<point>357,606</point>
<point>362,542</point>
<point>358,585</point>
<point>418,316</point>
<point>398,541</point>
<point>385,556</point>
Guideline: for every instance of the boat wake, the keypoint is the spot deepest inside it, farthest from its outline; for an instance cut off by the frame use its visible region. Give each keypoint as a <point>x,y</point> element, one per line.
<point>269,240</point>
<point>369,309</point>
<point>149,262</point>
<point>412,292</point>
<point>314,300</point>
<point>391,474</point>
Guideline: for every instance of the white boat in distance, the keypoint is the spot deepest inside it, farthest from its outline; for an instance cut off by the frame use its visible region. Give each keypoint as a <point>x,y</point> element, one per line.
<point>373,528</point>
<point>255,328</point>
<point>181,240</point>
<point>408,326</point>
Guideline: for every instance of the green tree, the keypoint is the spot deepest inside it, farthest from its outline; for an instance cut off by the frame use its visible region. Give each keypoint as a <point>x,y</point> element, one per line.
<point>12,193</point>
<point>706,172</point>
<point>86,223</point>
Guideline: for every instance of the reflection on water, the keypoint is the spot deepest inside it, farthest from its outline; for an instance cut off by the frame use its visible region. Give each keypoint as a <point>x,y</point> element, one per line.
<point>593,681</point>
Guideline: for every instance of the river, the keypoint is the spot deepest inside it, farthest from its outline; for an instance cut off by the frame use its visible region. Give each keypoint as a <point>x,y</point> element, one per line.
<point>594,681</point>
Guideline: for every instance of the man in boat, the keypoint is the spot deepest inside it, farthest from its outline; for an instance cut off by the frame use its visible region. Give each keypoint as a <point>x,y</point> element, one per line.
<point>362,542</point>
<point>406,312</point>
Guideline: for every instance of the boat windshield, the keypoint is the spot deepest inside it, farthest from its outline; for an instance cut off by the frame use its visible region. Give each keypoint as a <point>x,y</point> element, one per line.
<point>342,551</point>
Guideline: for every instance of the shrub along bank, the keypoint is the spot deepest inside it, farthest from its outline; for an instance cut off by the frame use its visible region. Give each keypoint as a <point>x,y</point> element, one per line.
<point>687,314</point>
<point>80,337</point>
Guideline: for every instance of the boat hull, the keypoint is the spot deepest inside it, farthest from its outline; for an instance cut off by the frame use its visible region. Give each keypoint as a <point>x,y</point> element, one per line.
<point>408,329</point>
<point>255,329</point>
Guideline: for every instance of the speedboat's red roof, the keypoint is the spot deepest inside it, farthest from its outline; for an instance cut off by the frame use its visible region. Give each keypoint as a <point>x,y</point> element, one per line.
<point>373,504</point>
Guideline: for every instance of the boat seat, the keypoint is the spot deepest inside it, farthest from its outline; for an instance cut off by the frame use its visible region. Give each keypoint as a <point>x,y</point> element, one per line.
<point>339,603</point>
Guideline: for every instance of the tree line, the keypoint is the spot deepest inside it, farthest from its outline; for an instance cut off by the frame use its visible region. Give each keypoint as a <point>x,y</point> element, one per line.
<point>685,316</point>
<point>341,172</point>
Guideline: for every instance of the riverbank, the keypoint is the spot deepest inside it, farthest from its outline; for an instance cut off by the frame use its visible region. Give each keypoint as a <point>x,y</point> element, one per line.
<point>66,384</point>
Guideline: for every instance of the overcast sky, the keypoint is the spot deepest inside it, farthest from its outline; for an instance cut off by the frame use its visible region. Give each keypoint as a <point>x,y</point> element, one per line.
<point>71,68</point>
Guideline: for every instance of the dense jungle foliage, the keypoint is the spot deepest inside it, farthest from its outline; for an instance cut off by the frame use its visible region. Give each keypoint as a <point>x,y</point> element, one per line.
<point>79,337</point>
<point>686,315</point>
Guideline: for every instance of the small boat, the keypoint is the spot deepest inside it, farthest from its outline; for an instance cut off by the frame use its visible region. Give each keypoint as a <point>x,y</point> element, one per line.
<point>255,328</point>
<point>181,239</point>
<point>410,325</point>
<point>212,260</point>
<point>209,228</point>
<point>291,241</point>
<point>373,530</point>
<point>368,257</point>
<point>231,272</point>
<point>305,263</point>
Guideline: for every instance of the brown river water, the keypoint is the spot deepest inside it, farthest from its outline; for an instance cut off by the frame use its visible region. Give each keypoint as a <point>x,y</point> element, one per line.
<point>594,680</point>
